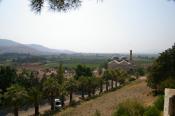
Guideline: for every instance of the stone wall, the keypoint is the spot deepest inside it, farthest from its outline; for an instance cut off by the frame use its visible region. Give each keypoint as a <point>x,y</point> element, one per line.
<point>169,107</point>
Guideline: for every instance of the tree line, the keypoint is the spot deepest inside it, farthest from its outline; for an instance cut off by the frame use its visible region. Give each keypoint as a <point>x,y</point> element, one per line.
<point>18,88</point>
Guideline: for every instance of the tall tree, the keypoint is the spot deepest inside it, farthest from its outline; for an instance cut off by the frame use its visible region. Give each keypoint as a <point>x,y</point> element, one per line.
<point>51,88</point>
<point>95,84</point>
<point>112,78</point>
<point>82,70</point>
<point>116,75</point>
<point>101,82</point>
<point>35,95</point>
<point>7,77</point>
<point>121,75</point>
<point>15,96</point>
<point>71,86</point>
<point>89,86</point>
<point>32,83</point>
<point>60,74</point>
<point>106,77</point>
<point>83,81</point>
<point>23,78</point>
<point>63,93</point>
<point>162,70</point>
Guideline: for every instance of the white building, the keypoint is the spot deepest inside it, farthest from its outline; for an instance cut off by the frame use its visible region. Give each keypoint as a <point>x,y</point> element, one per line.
<point>121,63</point>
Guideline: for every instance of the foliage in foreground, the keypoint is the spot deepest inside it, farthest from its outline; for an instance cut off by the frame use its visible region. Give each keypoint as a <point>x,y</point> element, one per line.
<point>129,108</point>
<point>152,111</point>
<point>159,103</point>
<point>15,97</point>
<point>59,5</point>
<point>7,77</point>
<point>134,108</point>
<point>162,72</point>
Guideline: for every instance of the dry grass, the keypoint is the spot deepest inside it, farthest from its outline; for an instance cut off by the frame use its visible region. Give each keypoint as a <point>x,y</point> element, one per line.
<point>108,102</point>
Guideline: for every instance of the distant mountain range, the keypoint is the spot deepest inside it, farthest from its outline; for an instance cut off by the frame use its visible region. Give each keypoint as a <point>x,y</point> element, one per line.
<point>9,46</point>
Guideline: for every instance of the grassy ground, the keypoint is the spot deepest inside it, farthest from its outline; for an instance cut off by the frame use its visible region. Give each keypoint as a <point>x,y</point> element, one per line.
<point>109,101</point>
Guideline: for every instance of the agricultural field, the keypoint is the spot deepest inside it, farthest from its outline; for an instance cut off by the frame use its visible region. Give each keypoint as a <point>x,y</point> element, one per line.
<point>71,61</point>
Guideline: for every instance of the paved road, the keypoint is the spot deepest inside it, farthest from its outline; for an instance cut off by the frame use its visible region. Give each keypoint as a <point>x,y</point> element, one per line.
<point>42,108</point>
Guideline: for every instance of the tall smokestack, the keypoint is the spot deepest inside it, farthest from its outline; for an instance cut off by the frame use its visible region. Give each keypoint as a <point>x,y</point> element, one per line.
<point>130,56</point>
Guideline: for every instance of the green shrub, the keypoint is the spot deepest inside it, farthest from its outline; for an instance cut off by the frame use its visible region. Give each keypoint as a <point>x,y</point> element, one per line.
<point>168,83</point>
<point>129,108</point>
<point>152,111</point>
<point>159,103</point>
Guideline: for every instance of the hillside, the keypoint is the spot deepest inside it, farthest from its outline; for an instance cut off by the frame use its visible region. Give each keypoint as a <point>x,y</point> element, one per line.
<point>108,102</point>
<point>5,43</point>
<point>48,50</point>
<point>9,46</point>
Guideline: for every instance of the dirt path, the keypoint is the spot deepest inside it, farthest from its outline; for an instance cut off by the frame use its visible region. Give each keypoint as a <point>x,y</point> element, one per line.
<point>108,102</point>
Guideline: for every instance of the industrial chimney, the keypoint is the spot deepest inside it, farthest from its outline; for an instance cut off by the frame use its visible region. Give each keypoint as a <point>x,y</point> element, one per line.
<point>130,56</point>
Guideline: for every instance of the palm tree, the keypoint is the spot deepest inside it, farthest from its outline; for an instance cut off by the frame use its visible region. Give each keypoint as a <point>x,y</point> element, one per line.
<point>14,96</point>
<point>95,84</point>
<point>83,81</point>
<point>111,76</point>
<point>24,78</point>
<point>63,93</point>
<point>116,75</point>
<point>51,88</point>
<point>35,95</point>
<point>71,86</point>
<point>89,86</point>
<point>101,81</point>
<point>122,76</point>
<point>106,77</point>
<point>31,82</point>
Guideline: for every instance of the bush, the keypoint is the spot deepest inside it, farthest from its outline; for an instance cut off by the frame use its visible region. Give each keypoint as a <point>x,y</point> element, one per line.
<point>159,103</point>
<point>162,70</point>
<point>152,111</point>
<point>168,83</point>
<point>129,108</point>
<point>140,71</point>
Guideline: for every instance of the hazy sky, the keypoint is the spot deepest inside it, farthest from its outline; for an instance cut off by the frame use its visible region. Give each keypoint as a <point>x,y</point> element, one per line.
<point>110,26</point>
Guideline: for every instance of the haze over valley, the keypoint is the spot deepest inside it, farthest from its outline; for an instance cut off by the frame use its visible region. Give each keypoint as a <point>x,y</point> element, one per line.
<point>87,58</point>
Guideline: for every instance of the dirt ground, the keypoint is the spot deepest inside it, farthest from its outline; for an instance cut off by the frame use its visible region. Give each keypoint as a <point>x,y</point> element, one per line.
<point>107,103</point>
